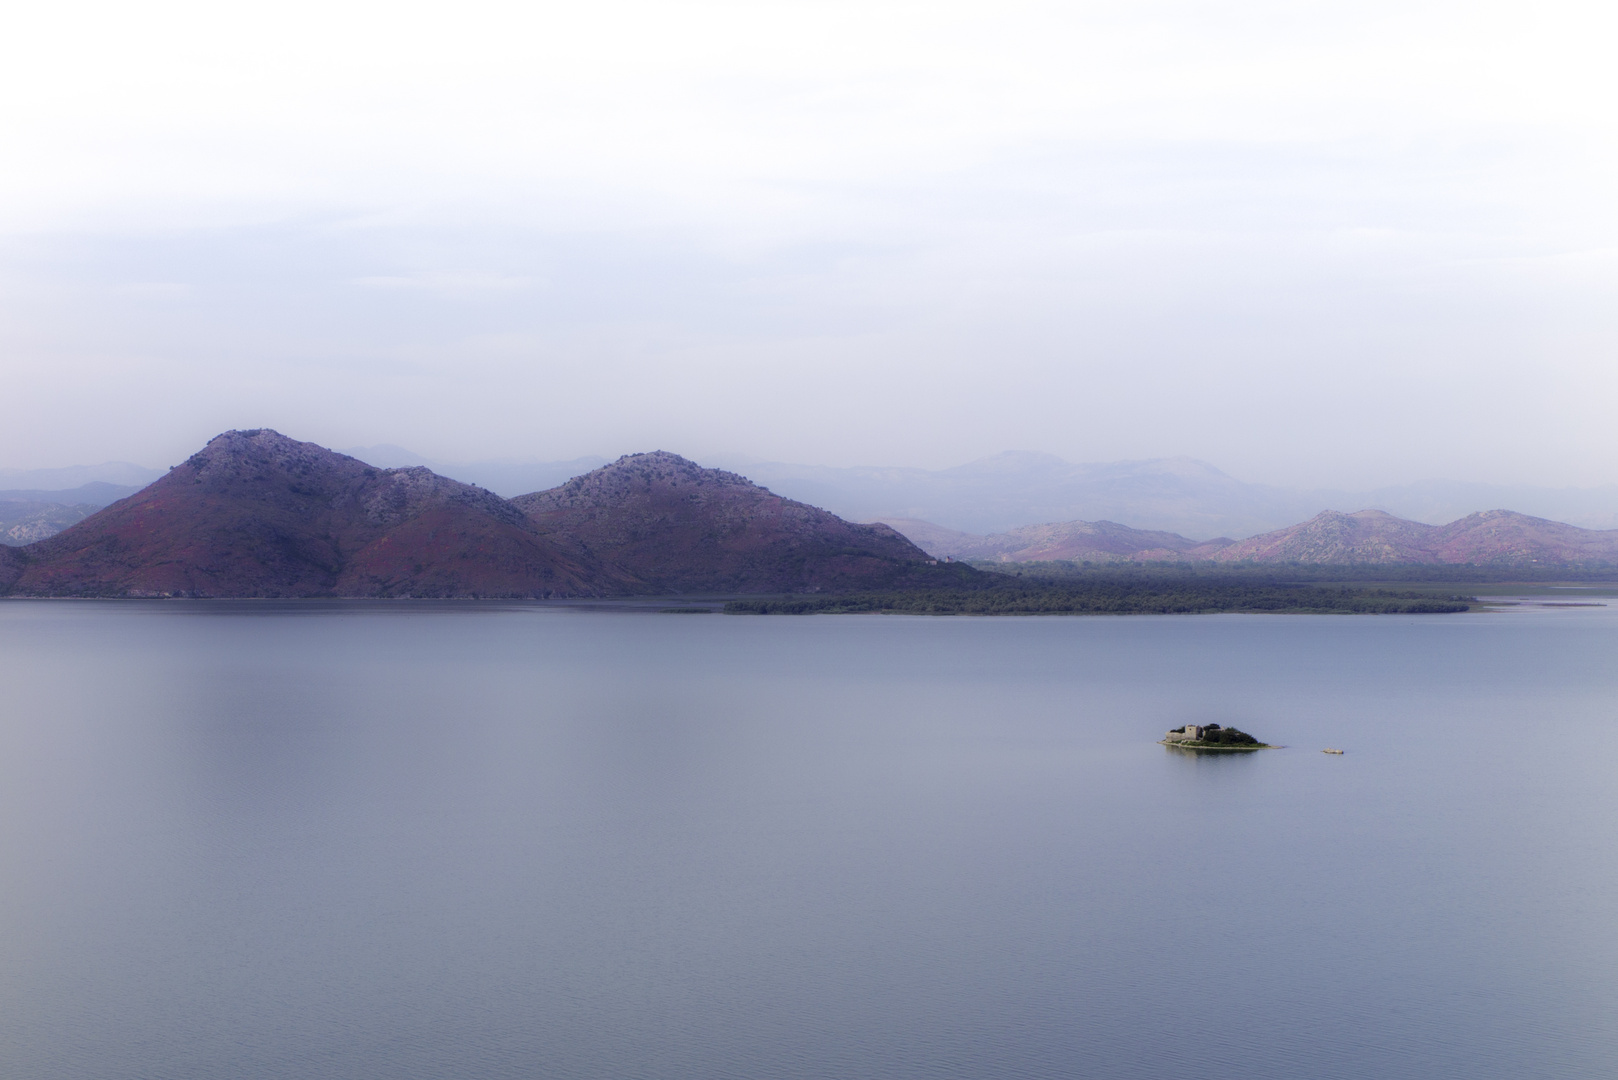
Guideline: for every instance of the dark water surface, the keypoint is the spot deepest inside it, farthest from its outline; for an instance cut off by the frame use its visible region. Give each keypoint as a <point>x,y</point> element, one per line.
<point>433,841</point>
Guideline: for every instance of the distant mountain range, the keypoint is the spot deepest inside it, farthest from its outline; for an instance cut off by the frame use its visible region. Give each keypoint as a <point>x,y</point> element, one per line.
<point>256,514</point>
<point>1176,495</point>
<point>994,495</point>
<point>1493,537</point>
<point>1102,541</point>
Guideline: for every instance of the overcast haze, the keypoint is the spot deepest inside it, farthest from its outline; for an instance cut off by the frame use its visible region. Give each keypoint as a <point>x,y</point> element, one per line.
<point>1325,244</point>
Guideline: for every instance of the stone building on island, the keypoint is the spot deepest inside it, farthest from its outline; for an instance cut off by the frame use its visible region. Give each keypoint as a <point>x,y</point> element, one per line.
<point>1189,733</point>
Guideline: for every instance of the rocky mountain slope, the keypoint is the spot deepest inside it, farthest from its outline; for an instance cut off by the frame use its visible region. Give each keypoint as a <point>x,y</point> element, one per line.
<point>678,527</point>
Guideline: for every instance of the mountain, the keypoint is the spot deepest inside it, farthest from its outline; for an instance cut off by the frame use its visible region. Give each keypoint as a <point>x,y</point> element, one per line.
<point>678,527</point>
<point>1446,500</point>
<point>1372,536</point>
<point>1368,536</point>
<point>1070,540</point>
<point>255,513</point>
<point>1510,537</point>
<point>1178,495</point>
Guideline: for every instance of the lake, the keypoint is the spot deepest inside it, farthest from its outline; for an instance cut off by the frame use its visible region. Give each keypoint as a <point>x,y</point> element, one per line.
<point>422,840</point>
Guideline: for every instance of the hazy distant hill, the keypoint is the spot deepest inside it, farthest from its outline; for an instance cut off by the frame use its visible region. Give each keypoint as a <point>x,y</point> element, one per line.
<point>117,473</point>
<point>96,493</point>
<point>1177,495</point>
<point>1011,490</point>
<point>678,527</point>
<point>24,521</point>
<point>30,515</point>
<point>1070,540</point>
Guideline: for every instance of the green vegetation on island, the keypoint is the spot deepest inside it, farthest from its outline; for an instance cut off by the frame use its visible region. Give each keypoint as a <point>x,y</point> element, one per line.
<point>1112,594</point>
<point>1211,737</point>
<point>1390,575</point>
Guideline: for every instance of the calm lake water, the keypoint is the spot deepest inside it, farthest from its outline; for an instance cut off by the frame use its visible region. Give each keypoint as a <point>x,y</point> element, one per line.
<point>428,841</point>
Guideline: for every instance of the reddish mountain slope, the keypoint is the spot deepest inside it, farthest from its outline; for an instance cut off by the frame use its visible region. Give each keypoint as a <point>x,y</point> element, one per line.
<point>677,527</point>
<point>1503,536</point>
<point>1369,536</point>
<point>255,513</point>
<point>1075,540</point>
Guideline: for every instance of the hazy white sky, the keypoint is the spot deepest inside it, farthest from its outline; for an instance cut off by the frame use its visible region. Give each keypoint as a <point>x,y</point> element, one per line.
<point>1335,243</point>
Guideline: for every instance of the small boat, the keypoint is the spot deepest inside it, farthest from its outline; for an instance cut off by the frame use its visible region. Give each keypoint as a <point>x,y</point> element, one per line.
<point>1329,751</point>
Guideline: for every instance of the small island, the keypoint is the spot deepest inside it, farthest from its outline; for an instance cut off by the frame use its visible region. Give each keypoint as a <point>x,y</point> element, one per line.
<point>1212,737</point>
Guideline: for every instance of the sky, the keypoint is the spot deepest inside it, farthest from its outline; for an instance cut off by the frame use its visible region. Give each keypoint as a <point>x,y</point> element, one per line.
<point>1342,244</point>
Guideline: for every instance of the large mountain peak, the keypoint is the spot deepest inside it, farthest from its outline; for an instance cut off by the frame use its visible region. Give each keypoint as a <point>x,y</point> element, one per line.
<point>255,513</point>
<point>677,526</point>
